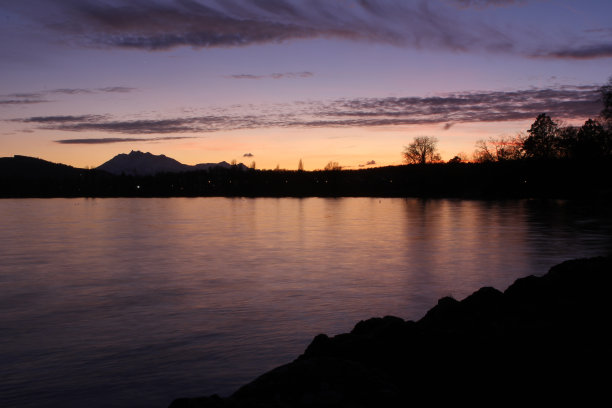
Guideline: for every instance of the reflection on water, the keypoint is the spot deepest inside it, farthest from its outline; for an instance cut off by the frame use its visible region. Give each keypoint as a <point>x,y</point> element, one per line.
<point>133,302</point>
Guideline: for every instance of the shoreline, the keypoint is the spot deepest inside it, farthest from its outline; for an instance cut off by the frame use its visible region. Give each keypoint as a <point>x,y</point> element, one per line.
<point>543,339</point>
<point>33,178</point>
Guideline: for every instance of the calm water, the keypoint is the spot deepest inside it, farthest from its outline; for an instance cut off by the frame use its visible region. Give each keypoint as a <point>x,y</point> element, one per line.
<point>134,302</point>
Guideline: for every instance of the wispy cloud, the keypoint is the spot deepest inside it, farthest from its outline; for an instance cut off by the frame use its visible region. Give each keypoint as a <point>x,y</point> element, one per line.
<point>562,102</point>
<point>159,25</point>
<point>585,52</point>
<point>63,119</point>
<point>148,126</point>
<point>284,75</point>
<point>107,140</point>
<point>565,102</point>
<point>117,89</point>
<point>24,101</point>
<point>24,98</point>
<point>486,3</point>
<point>248,155</point>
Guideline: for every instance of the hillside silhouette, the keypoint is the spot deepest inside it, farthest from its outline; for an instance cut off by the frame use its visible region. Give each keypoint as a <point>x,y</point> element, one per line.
<point>137,163</point>
<point>29,177</point>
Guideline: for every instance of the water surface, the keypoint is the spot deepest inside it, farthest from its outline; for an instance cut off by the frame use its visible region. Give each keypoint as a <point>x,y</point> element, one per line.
<point>134,302</point>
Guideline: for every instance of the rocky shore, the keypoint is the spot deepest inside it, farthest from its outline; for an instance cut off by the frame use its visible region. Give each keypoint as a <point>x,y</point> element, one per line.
<point>544,340</point>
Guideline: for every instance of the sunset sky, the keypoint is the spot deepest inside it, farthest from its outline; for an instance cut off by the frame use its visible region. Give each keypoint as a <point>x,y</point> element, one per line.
<point>276,81</point>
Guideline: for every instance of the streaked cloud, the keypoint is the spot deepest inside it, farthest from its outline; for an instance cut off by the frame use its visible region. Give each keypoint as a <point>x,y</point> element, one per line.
<point>62,119</point>
<point>25,98</point>
<point>562,102</point>
<point>21,101</point>
<point>147,126</point>
<point>285,75</point>
<point>592,51</point>
<point>162,25</point>
<point>159,25</point>
<point>107,140</point>
<point>566,102</point>
<point>368,163</point>
<point>486,3</point>
<point>117,89</point>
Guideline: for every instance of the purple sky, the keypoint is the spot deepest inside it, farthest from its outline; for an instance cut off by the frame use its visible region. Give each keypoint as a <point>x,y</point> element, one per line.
<point>276,81</point>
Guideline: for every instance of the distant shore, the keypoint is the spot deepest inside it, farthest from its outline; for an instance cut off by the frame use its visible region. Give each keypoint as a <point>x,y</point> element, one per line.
<point>23,177</point>
<point>543,340</point>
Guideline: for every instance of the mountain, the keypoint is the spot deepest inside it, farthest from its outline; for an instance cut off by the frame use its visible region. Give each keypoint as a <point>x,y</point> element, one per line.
<point>138,163</point>
<point>142,164</point>
<point>31,167</point>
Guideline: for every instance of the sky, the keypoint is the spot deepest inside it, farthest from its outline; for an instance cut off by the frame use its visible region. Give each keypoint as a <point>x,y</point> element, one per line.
<point>276,81</point>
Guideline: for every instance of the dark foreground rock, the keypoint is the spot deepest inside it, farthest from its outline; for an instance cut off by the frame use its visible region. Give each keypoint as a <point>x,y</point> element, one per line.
<point>544,341</point>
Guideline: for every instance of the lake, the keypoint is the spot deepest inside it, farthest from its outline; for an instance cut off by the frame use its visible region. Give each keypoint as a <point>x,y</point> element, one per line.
<point>135,302</point>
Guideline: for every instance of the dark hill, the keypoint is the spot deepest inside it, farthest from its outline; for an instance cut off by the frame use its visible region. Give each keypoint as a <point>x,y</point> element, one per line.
<point>30,167</point>
<point>543,341</point>
<point>22,176</point>
<point>143,164</point>
<point>137,163</point>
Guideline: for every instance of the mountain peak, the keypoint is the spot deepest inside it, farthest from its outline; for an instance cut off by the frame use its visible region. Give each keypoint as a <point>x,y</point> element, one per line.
<point>137,163</point>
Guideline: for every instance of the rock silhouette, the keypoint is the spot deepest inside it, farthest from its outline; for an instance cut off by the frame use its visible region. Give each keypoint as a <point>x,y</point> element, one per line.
<point>544,340</point>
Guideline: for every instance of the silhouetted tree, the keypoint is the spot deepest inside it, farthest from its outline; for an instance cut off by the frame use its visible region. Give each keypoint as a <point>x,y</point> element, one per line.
<point>567,142</point>
<point>592,141</point>
<point>542,140</point>
<point>422,150</point>
<point>483,152</point>
<point>499,149</point>
<point>332,165</point>
<point>300,166</point>
<point>456,159</point>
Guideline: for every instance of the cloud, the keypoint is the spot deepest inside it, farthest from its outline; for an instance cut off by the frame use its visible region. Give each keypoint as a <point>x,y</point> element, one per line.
<point>159,25</point>
<point>564,102</point>
<point>71,91</point>
<point>25,98</point>
<point>248,155</point>
<point>486,3</point>
<point>61,119</point>
<point>285,75</point>
<point>21,101</point>
<point>151,126</point>
<point>163,25</point>
<point>368,163</point>
<point>117,89</point>
<point>579,53</point>
<point>27,95</point>
<point>107,140</point>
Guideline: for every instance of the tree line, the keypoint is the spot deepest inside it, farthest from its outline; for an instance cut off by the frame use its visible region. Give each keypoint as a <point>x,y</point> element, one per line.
<point>545,140</point>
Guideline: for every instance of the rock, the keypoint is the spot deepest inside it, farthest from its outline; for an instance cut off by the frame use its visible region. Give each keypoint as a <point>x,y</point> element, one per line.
<point>543,340</point>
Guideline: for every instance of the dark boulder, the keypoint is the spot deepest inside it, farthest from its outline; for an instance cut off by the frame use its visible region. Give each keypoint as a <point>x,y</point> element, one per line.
<point>542,341</point>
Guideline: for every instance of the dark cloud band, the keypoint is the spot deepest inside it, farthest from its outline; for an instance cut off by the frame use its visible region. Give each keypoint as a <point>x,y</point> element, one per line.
<point>496,106</point>
<point>159,25</point>
<point>7,102</point>
<point>579,53</point>
<point>285,75</point>
<point>25,98</point>
<point>107,140</point>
